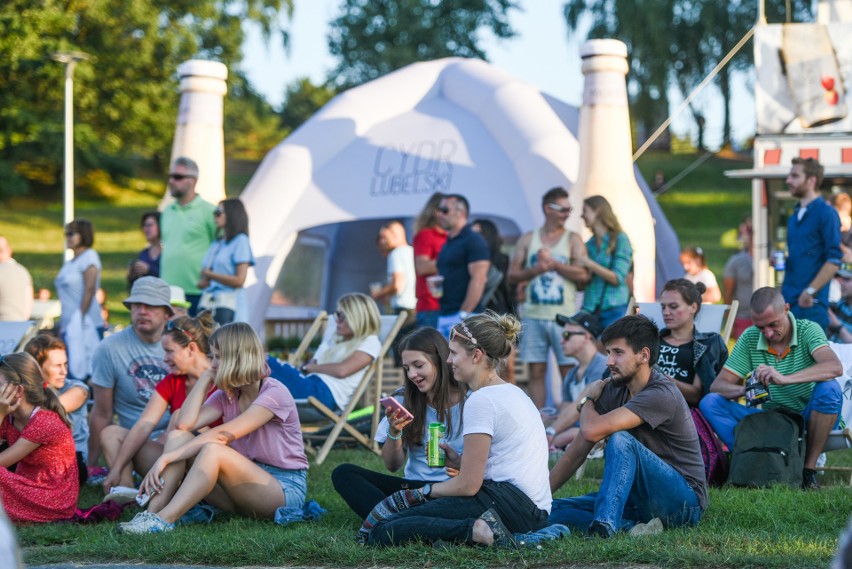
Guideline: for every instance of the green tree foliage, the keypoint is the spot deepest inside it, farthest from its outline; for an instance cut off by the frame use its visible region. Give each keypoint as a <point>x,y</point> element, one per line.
<point>374,37</point>
<point>251,124</point>
<point>125,97</point>
<point>676,43</point>
<point>301,100</point>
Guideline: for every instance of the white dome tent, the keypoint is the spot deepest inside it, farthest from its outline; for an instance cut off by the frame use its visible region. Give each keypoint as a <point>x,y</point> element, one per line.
<point>380,150</point>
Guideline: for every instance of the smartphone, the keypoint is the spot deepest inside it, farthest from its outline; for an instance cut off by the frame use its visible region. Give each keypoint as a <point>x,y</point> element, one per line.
<point>394,405</point>
<point>142,499</point>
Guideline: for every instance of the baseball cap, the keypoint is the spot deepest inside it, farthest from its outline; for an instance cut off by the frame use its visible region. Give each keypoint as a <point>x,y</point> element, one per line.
<point>845,271</point>
<point>589,322</point>
<point>152,291</point>
<point>178,297</point>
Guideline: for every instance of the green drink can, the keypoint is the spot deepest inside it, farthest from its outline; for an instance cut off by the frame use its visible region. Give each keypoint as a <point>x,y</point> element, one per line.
<point>434,453</point>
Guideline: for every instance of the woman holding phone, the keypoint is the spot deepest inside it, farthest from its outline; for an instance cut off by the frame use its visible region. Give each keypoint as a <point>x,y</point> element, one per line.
<point>430,395</point>
<point>503,484</point>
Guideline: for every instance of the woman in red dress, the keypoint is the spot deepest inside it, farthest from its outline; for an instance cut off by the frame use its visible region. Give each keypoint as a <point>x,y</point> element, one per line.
<point>44,486</point>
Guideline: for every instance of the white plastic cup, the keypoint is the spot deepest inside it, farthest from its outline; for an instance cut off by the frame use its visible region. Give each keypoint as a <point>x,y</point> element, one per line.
<point>435,283</point>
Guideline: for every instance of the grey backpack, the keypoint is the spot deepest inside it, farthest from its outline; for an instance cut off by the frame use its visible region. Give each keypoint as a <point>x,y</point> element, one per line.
<point>769,448</point>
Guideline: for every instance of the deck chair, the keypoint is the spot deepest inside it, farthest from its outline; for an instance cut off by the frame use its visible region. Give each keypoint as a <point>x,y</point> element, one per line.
<point>711,318</point>
<point>297,358</point>
<point>391,326</point>
<point>15,335</point>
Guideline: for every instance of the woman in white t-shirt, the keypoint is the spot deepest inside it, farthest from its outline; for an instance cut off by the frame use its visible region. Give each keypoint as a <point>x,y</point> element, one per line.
<point>695,266</point>
<point>432,395</point>
<point>252,464</point>
<point>81,323</point>
<point>503,482</point>
<point>334,373</point>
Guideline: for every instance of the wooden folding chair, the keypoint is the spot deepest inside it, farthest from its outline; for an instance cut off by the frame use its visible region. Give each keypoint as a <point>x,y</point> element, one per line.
<point>391,326</point>
<point>299,355</point>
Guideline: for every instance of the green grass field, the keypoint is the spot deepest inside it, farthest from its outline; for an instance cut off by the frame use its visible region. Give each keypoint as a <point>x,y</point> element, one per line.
<point>777,527</point>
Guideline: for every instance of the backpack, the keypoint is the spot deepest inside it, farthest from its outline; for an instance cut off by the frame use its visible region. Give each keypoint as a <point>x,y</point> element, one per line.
<point>715,461</point>
<point>769,447</point>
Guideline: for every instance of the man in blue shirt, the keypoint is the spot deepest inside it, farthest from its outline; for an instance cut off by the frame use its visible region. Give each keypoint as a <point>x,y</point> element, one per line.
<point>813,244</point>
<point>463,262</point>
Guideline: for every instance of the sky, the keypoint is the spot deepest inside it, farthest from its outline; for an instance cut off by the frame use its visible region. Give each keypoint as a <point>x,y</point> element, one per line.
<point>542,54</point>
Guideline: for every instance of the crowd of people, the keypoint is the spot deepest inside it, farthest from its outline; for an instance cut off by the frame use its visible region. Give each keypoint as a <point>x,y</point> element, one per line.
<point>209,422</point>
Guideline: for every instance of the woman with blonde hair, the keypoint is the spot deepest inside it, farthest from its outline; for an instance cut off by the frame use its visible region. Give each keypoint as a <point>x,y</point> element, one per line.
<point>503,484</point>
<point>252,464</point>
<point>43,486</point>
<point>185,347</point>
<point>338,366</point>
<point>609,260</point>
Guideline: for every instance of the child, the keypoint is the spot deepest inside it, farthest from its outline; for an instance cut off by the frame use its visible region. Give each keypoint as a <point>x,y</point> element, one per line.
<point>44,486</point>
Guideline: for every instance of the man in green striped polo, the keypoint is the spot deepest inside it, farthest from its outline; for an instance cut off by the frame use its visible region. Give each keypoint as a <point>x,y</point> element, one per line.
<point>793,360</point>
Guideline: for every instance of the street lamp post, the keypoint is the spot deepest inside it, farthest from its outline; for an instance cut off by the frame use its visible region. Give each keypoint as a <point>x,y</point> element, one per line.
<point>70,59</point>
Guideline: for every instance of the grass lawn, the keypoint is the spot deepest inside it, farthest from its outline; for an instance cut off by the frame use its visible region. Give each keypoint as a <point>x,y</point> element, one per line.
<point>777,527</point>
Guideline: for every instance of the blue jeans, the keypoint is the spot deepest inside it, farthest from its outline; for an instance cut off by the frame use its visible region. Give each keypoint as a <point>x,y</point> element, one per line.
<point>817,313</point>
<point>637,487</point>
<point>294,483</point>
<point>301,386</point>
<point>451,519</point>
<point>427,319</point>
<point>724,414</point>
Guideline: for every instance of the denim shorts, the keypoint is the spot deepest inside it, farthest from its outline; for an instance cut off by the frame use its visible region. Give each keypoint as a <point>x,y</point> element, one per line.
<point>293,482</point>
<point>538,336</point>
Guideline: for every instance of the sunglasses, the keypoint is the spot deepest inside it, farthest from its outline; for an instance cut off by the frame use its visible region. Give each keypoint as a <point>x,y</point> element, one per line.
<point>180,177</point>
<point>558,208</point>
<point>172,326</point>
<point>340,316</point>
<point>218,211</point>
<point>445,210</point>
<point>71,233</point>
<point>567,335</point>
<point>466,336</point>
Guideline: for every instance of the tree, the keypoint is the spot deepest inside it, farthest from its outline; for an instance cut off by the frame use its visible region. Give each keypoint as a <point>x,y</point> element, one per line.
<point>676,42</point>
<point>252,126</point>
<point>374,37</point>
<point>126,97</point>
<point>301,100</point>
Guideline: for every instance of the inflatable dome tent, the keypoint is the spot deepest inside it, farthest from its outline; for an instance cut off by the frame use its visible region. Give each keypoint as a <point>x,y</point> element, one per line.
<point>378,152</point>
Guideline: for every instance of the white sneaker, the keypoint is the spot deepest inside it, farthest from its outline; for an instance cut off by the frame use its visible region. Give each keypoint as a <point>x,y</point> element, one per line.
<point>121,494</point>
<point>653,527</point>
<point>145,522</point>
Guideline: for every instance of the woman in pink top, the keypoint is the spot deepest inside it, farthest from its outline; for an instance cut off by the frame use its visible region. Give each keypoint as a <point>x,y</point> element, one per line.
<point>252,464</point>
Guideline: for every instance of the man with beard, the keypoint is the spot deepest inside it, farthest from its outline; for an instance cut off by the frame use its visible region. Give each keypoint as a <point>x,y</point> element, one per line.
<point>653,471</point>
<point>127,366</point>
<point>187,228</point>
<point>813,244</point>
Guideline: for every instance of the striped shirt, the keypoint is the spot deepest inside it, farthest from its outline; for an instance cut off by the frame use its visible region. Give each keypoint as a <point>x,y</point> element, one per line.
<point>752,350</point>
<point>599,294</point>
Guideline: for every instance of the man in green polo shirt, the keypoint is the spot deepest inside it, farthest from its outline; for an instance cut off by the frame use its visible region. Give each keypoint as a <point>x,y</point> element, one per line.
<point>792,358</point>
<point>187,228</point>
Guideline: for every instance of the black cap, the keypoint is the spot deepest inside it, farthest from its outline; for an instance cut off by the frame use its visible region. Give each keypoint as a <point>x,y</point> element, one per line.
<point>589,322</point>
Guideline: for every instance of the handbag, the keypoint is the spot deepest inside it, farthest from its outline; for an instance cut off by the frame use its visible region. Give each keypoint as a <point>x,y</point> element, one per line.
<point>218,299</point>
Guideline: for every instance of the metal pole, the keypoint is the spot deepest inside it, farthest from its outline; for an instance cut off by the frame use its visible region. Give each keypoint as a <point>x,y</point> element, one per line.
<point>68,194</point>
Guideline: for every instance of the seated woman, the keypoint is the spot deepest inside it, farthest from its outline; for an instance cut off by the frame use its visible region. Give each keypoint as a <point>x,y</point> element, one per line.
<point>185,345</point>
<point>43,487</point>
<point>253,463</point>
<point>503,483</point>
<point>338,366</point>
<point>432,395</point>
<point>697,271</point>
<point>50,353</point>
<point>693,359</point>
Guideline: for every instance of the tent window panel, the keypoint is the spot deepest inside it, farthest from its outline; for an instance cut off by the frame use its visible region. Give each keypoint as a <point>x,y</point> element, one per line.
<point>300,282</point>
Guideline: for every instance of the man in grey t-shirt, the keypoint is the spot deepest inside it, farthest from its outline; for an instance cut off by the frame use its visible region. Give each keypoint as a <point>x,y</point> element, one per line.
<point>127,366</point>
<point>653,473</point>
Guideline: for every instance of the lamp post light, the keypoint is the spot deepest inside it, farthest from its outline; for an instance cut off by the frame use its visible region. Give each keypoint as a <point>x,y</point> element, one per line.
<point>70,59</point>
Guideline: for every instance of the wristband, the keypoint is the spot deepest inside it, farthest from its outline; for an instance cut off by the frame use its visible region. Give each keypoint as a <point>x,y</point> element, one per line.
<point>391,437</point>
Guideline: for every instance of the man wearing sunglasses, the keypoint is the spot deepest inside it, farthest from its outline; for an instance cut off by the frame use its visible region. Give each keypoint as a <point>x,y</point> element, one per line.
<point>187,228</point>
<point>580,341</point>
<point>544,261</point>
<point>463,262</point>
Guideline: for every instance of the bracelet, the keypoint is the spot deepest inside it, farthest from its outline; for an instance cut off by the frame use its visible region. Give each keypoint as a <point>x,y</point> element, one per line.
<point>393,438</point>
